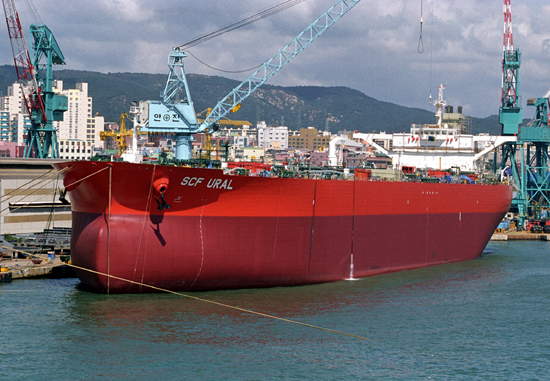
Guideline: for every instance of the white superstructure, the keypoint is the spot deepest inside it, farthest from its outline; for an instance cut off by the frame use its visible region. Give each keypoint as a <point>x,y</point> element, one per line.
<point>437,146</point>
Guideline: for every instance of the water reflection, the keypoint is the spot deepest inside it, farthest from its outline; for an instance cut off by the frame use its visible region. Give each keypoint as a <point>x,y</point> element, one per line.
<point>170,318</point>
<point>481,319</point>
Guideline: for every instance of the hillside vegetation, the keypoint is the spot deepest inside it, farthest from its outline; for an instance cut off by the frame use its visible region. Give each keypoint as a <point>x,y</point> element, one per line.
<point>338,108</point>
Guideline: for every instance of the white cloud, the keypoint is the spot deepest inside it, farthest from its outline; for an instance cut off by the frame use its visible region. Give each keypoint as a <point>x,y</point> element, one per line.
<point>373,48</point>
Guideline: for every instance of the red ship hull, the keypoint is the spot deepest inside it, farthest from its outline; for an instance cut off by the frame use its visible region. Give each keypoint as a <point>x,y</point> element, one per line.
<point>225,231</point>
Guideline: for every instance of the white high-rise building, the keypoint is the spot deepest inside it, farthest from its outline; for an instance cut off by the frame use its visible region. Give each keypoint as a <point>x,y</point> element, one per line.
<point>78,124</point>
<point>272,137</point>
<point>15,118</point>
<point>20,123</point>
<point>13,102</point>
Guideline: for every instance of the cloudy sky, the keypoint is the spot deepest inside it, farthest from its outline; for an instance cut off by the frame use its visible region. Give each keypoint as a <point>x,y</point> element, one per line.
<point>374,48</point>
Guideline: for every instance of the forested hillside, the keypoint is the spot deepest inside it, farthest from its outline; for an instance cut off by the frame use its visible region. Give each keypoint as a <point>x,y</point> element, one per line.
<point>335,108</point>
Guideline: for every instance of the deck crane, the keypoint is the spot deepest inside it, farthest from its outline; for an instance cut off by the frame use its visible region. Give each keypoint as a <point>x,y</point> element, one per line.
<point>178,115</point>
<point>36,81</point>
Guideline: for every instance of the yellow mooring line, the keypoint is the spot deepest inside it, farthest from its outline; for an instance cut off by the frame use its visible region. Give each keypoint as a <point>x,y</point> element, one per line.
<point>207,301</point>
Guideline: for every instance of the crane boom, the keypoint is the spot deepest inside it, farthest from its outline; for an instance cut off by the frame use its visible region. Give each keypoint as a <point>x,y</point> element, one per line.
<point>178,115</point>
<point>277,62</point>
<point>21,56</point>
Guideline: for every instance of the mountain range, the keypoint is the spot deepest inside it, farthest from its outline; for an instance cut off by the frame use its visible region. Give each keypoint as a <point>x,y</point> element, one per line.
<point>325,108</point>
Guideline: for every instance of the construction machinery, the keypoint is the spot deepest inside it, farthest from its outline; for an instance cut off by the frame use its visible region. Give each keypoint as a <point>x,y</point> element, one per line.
<point>215,146</point>
<point>36,80</point>
<point>120,135</point>
<point>175,113</point>
<point>224,121</point>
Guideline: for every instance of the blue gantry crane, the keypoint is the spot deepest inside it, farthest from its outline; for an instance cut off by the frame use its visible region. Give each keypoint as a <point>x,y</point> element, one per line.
<point>525,160</point>
<point>36,80</point>
<point>534,181</point>
<point>175,112</point>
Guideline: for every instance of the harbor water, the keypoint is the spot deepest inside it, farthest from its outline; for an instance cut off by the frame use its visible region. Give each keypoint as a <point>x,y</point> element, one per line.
<point>485,319</point>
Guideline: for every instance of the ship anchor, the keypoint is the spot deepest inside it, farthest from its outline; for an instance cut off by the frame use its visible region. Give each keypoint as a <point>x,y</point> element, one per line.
<point>62,196</point>
<point>162,205</point>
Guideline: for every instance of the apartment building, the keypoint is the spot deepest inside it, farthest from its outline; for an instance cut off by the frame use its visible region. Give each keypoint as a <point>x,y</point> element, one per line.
<point>309,138</point>
<point>272,137</point>
<point>78,125</point>
<point>78,122</point>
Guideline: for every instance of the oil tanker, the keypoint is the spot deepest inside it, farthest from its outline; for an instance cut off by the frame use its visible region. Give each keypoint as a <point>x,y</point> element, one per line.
<point>190,229</point>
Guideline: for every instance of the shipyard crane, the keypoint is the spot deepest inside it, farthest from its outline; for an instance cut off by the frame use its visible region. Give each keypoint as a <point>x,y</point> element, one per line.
<point>178,115</point>
<point>120,135</point>
<point>36,80</point>
<point>510,113</point>
<point>208,146</point>
<point>224,121</point>
<point>533,179</point>
<point>527,158</point>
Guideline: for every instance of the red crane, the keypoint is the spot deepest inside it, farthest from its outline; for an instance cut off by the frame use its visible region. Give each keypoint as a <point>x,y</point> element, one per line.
<point>23,63</point>
<point>508,43</point>
<point>42,104</point>
<point>510,115</point>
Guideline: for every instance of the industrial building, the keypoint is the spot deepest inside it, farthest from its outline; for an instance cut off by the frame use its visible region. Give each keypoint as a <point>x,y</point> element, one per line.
<point>29,197</point>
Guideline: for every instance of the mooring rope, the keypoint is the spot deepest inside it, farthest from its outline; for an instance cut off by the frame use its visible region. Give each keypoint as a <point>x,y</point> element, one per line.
<point>109,228</point>
<point>20,189</point>
<point>29,182</point>
<point>84,178</point>
<point>205,300</point>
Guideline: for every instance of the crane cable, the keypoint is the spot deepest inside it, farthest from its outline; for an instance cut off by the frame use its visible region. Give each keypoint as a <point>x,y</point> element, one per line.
<point>266,12</point>
<point>224,71</point>
<point>431,52</point>
<point>420,42</point>
<point>34,13</point>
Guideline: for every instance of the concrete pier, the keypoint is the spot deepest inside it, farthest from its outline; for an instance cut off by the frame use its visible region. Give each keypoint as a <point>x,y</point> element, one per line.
<point>520,236</point>
<point>25,268</point>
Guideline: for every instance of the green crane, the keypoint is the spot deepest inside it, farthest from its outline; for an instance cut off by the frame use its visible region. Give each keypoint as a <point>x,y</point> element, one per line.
<point>527,159</point>
<point>36,80</point>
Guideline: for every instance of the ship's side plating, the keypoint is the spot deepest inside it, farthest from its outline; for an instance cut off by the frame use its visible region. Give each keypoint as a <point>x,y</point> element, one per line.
<point>226,231</point>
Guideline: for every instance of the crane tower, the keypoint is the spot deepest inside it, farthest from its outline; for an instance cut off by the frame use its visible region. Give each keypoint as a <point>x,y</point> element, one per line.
<point>36,80</point>
<point>527,158</point>
<point>510,115</point>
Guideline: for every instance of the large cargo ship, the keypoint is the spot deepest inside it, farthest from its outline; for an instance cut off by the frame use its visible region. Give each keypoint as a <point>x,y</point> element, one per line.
<point>182,228</point>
